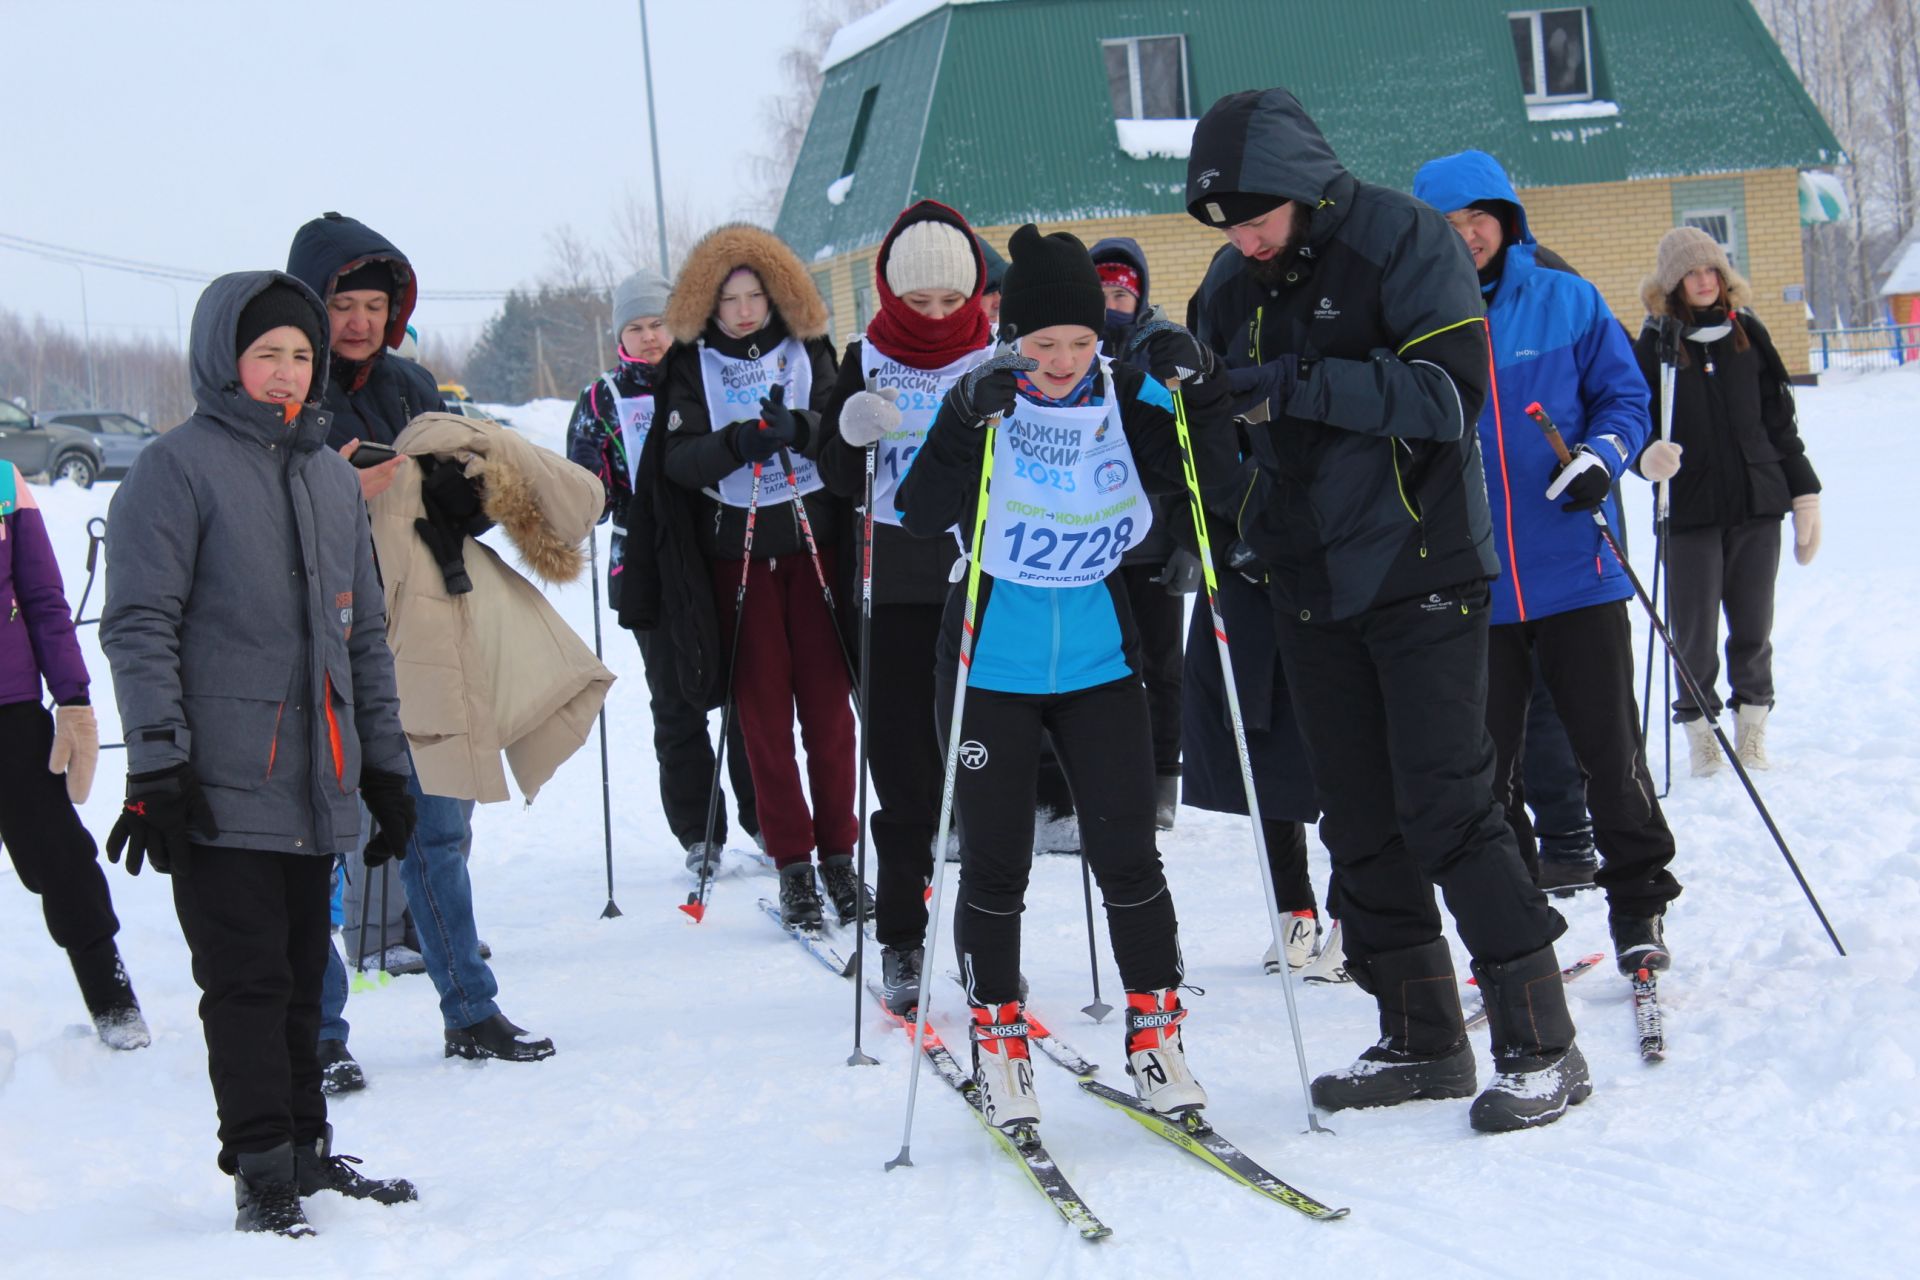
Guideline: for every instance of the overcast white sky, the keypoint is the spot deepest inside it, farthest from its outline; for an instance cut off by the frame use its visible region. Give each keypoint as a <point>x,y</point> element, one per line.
<point>202,133</point>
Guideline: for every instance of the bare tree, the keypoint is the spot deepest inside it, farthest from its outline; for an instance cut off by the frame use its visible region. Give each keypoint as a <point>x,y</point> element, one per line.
<point>788,112</point>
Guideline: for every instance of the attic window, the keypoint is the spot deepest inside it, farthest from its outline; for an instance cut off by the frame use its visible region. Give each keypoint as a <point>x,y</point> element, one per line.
<point>1147,77</point>
<point>1554,51</point>
<point>859,137</point>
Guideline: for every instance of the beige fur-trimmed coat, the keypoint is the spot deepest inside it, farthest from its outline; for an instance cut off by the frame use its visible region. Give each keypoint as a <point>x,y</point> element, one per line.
<point>494,670</point>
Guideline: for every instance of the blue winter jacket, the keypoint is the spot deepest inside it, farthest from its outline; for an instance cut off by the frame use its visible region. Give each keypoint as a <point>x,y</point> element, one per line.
<point>1554,341</point>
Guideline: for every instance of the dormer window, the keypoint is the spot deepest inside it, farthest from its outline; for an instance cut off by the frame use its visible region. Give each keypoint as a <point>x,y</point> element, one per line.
<point>1147,77</point>
<point>1554,51</point>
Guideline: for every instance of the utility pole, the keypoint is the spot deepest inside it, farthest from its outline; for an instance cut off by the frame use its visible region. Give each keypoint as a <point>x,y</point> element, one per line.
<point>653,142</point>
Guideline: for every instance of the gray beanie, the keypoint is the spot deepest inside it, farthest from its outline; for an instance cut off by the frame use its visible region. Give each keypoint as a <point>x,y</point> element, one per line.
<point>644,293</point>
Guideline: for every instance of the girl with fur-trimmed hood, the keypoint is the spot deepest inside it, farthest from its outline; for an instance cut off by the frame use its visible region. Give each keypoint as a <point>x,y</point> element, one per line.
<point>1746,467</point>
<point>743,407</point>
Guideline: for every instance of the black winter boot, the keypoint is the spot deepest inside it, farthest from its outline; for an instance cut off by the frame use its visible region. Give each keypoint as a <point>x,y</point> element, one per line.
<point>1639,942</point>
<point>900,978</point>
<point>799,900</point>
<point>317,1169</point>
<point>1423,1050</point>
<point>1541,1070</point>
<point>844,889</point>
<point>339,1072</point>
<point>109,995</point>
<point>495,1037</point>
<point>266,1195</point>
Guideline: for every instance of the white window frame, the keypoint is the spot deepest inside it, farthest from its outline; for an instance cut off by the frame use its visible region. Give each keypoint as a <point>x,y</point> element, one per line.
<point>1533,17</point>
<point>1137,102</point>
<point>1725,212</point>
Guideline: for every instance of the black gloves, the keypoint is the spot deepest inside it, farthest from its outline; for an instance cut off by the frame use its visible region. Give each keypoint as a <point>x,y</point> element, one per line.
<point>1172,352</point>
<point>988,389</point>
<point>388,800</point>
<point>453,515</point>
<point>1181,576</point>
<point>1241,560</point>
<point>757,440</point>
<point>1585,479</point>
<point>164,812</point>
<point>1271,384</point>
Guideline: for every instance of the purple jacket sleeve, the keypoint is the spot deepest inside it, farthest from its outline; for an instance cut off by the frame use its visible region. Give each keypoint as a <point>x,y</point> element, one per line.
<point>43,602</point>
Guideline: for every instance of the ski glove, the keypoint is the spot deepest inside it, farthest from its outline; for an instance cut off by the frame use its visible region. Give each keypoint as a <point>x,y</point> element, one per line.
<point>1585,479</point>
<point>758,439</point>
<point>1271,383</point>
<point>164,810</point>
<point>1241,560</point>
<point>1181,576</point>
<point>391,804</point>
<point>1806,528</point>
<point>988,389</point>
<point>868,416</point>
<point>76,749</point>
<point>1172,352</point>
<point>1660,461</point>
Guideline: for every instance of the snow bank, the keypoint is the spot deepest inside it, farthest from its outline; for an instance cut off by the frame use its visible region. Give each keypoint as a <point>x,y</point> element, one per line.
<point>1150,139</point>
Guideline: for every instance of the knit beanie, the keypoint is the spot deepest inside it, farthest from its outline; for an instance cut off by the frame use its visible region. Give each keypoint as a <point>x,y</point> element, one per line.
<point>1686,249</point>
<point>931,255</point>
<point>377,274</point>
<point>644,293</point>
<point>1050,281</point>
<point>1231,208</point>
<point>276,305</point>
<point>1119,275</point>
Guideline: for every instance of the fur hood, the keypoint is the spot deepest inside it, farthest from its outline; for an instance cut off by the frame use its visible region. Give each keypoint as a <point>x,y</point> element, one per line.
<point>740,244</point>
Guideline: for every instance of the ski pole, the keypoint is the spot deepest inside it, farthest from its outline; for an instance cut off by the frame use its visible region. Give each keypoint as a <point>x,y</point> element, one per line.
<point>860,1058</point>
<point>96,534</point>
<point>805,526</point>
<point>606,787</point>
<point>1669,371</point>
<point>954,734</point>
<point>696,903</point>
<point>1232,688</point>
<point>1099,1009</point>
<point>1552,432</point>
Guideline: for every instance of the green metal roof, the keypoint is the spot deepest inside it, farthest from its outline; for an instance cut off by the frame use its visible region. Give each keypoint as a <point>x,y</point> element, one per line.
<point>1001,109</point>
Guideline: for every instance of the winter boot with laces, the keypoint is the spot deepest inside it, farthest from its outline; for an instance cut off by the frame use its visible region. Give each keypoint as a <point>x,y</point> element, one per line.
<point>317,1169</point>
<point>900,978</point>
<point>1157,1055</point>
<point>495,1037</point>
<point>703,860</point>
<point>1423,1050</point>
<point>266,1194</point>
<point>1541,1070</point>
<point>1298,930</point>
<point>1750,735</point>
<point>1639,942</point>
<point>799,900</point>
<point>1703,749</point>
<point>1002,1067</point>
<point>844,889</point>
<point>105,987</point>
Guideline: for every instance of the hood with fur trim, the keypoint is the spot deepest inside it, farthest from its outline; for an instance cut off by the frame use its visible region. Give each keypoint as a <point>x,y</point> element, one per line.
<point>740,244</point>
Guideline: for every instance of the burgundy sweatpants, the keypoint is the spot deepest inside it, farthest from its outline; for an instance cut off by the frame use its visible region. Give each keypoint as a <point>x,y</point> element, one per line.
<point>790,661</point>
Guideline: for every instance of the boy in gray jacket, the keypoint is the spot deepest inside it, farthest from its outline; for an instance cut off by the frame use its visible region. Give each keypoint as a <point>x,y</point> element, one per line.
<point>247,634</point>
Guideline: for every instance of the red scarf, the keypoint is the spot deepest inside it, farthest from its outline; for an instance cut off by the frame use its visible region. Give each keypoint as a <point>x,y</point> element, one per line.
<point>911,338</point>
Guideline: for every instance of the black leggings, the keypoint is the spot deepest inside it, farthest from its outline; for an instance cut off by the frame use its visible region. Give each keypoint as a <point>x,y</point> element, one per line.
<point>1105,746</point>
<point>52,851</point>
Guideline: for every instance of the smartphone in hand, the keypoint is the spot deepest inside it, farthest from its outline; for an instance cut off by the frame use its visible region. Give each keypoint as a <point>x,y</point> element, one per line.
<point>370,454</point>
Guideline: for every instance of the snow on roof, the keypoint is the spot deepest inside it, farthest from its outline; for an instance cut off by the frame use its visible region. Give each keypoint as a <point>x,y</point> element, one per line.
<point>862,34</point>
<point>1144,139</point>
<point>1591,109</point>
<point>1903,268</point>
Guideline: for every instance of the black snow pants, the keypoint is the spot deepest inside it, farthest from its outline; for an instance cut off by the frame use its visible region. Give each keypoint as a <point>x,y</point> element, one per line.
<point>683,746</point>
<point>908,768</point>
<point>1392,708</point>
<point>52,851</point>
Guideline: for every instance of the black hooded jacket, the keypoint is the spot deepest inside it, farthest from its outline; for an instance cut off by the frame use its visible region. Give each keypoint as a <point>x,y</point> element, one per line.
<point>1169,512</point>
<point>367,399</point>
<point>1371,483</point>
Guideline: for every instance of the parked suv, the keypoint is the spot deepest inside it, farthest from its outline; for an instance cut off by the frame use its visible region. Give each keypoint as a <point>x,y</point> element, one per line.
<point>120,436</point>
<point>47,448</point>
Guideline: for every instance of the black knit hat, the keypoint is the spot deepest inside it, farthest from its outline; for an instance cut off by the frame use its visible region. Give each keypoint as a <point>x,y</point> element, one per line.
<point>276,305</point>
<point>1050,281</point>
<point>377,274</point>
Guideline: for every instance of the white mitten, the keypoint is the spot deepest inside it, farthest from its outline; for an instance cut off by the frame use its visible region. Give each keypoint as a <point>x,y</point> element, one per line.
<point>868,416</point>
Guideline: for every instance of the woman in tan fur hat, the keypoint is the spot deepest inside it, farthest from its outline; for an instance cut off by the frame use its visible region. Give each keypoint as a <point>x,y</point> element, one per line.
<point>1744,468</point>
<point>742,403</point>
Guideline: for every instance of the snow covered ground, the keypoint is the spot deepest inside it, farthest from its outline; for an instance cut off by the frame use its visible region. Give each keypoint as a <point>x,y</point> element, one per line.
<point>699,1118</point>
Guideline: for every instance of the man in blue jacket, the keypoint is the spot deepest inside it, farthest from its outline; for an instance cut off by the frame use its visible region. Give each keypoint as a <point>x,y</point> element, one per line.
<point>1561,593</point>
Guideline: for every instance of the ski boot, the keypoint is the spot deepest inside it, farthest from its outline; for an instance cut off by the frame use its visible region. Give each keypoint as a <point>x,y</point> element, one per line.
<point>1567,862</point>
<point>1541,1070</point>
<point>495,1037</point>
<point>1299,930</point>
<point>1166,801</point>
<point>844,889</point>
<point>703,860</point>
<point>339,1073</point>
<point>109,995</point>
<point>1329,964</point>
<point>1423,1050</point>
<point>266,1195</point>
<point>799,900</point>
<point>317,1169</point>
<point>1002,1067</point>
<point>1639,942</point>
<point>900,978</point>
<point>1157,1055</point>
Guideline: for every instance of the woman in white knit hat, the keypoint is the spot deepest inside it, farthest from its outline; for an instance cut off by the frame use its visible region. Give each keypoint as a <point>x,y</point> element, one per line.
<point>1744,468</point>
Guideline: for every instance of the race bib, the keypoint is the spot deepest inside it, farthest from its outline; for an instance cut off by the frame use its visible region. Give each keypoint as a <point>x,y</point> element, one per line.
<point>921,391</point>
<point>734,388</point>
<point>634,414</point>
<point>1066,501</point>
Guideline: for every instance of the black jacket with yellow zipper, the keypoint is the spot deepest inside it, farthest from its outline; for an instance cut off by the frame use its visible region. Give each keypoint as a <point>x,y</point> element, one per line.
<point>1371,488</point>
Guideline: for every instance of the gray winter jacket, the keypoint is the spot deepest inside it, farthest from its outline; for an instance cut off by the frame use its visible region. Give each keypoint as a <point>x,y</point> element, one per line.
<point>245,621</point>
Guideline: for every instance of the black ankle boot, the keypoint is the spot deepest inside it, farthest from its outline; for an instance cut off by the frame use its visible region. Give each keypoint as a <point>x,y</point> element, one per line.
<point>1542,1072</point>
<point>266,1194</point>
<point>109,995</point>
<point>317,1169</point>
<point>1423,1050</point>
<point>495,1037</point>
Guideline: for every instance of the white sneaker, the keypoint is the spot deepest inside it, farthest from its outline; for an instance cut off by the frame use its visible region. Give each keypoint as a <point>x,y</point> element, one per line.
<point>1750,735</point>
<point>1299,930</point>
<point>1703,749</point>
<point>1002,1068</point>
<point>1330,965</point>
<point>1156,1055</point>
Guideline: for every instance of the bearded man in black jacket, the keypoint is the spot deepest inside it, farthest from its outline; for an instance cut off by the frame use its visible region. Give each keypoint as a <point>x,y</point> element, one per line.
<point>1351,323</point>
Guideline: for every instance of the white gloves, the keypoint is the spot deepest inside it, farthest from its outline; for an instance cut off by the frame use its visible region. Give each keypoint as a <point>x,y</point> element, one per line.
<point>1660,461</point>
<point>1806,527</point>
<point>76,748</point>
<point>868,416</point>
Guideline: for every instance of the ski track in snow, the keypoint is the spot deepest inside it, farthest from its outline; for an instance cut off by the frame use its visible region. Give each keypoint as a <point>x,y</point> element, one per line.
<point>1778,1138</point>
